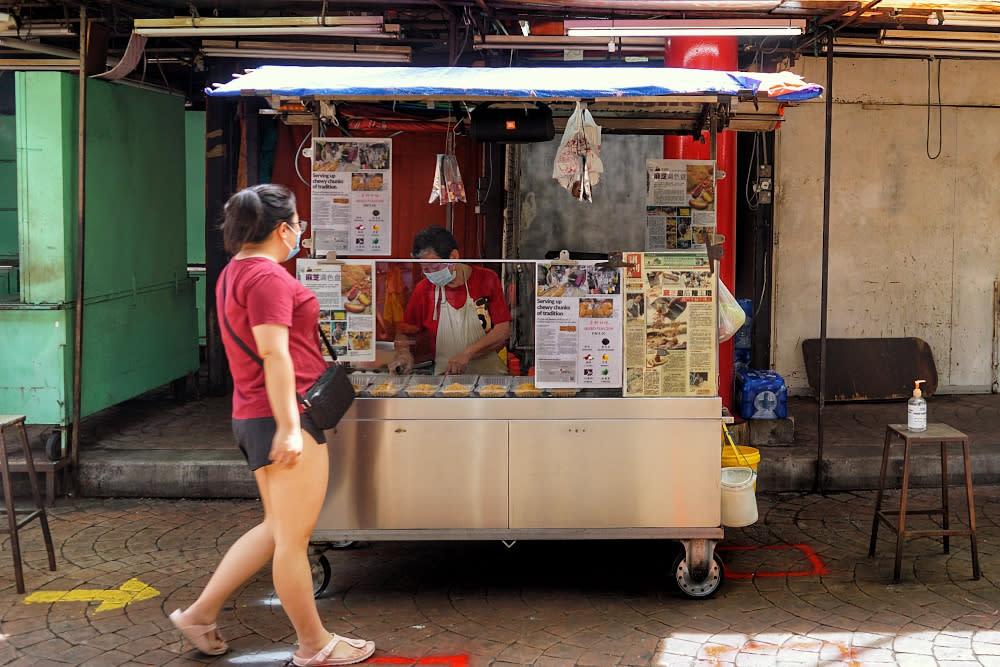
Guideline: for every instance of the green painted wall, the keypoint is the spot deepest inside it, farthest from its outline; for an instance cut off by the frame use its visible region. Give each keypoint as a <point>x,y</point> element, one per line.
<point>139,304</point>
<point>194,168</point>
<point>8,209</point>
<point>194,151</point>
<point>45,105</point>
<point>8,190</point>
<point>37,360</point>
<point>38,327</point>
<point>139,319</point>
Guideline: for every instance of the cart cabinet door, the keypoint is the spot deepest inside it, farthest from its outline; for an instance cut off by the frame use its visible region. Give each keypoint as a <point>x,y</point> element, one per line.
<point>615,473</point>
<point>416,474</point>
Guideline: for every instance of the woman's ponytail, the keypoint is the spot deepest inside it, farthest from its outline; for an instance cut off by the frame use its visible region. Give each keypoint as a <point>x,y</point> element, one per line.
<point>253,213</point>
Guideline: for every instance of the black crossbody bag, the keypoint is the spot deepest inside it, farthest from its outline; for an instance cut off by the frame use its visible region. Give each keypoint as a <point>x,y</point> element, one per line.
<point>328,398</point>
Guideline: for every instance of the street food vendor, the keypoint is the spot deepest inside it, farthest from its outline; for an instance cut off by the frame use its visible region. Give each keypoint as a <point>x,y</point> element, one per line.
<point>461,307</point>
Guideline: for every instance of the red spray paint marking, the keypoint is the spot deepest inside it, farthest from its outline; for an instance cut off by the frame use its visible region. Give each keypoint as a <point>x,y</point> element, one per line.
<point>817,564</point>
<point>447,660</point>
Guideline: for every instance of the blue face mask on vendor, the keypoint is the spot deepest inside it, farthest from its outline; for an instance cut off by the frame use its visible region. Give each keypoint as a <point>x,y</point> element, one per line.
<point>441,277</point>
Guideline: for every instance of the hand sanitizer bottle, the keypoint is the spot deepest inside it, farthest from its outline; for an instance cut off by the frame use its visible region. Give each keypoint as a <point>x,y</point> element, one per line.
<point>916,410</point>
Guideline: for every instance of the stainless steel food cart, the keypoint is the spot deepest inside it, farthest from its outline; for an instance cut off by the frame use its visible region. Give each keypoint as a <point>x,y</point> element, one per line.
<point>531,468</point>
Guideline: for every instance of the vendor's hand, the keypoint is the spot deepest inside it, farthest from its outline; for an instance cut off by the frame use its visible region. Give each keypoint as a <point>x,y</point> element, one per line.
<point>402,363</point>
<point>286,447</point>
<point>459,363</point>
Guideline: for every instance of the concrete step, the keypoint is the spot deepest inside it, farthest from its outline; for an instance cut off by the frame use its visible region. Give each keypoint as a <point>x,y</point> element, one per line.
<point>166,473</point>
<point>856,467</point>
<point>215,473</point>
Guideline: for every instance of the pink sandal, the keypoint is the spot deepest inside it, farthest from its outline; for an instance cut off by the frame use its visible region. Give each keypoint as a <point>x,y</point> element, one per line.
<point>206,638</point>
<point>323,656</point>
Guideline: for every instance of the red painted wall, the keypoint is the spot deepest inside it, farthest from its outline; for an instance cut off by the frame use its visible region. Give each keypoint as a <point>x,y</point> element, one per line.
<point>414,157</point>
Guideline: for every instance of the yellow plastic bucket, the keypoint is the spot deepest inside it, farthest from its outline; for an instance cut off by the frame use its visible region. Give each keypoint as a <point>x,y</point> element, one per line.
<point>748,457</point>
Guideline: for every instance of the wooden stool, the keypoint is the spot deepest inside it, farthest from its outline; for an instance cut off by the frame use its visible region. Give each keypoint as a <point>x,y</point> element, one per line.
<point>939,433</point>
<point>7,463</point>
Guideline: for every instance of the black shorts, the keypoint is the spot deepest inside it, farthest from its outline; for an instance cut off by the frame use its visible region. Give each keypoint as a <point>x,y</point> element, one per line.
<point>254,437</point>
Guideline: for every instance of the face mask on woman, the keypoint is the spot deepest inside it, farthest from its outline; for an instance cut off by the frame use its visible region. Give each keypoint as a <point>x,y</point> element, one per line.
<point>295,250</point>
<point>441,277</point>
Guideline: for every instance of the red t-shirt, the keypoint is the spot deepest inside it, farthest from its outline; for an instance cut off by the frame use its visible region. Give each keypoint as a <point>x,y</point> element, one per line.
<point>259,291</point>
<point>482,283</point>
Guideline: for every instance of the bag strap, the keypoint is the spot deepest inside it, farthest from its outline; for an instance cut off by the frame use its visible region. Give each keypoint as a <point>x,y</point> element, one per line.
<point>246,348</point>
<point>326,341</point>
<point>239,341</point>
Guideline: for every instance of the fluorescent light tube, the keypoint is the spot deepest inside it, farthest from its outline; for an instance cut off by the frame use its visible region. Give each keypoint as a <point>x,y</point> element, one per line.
<point>942,35</point>
<point>46,64</point>
<point>964,19</point>
<point>666,28</point>
<point>32,31</point>
<point>286,54</point>
<point>942,44</point>
<point>257,21</point>
<point>871,49</point>
<point>367,32</point>
<point>562,42</point>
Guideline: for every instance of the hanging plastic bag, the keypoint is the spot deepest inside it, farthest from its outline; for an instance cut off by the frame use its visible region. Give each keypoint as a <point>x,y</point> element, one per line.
<point>448,187</point>
<point>731,315</point>
<point>578,166</point>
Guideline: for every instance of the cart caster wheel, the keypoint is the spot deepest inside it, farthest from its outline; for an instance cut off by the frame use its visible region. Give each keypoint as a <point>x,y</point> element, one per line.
<point>320,573</point>
<point>342,544</point>
<point>697,589</point>
<point>53,446</point>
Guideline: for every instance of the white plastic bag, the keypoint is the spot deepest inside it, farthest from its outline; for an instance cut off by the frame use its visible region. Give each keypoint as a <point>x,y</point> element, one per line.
<point>578,166</point>
<point>731,315</point>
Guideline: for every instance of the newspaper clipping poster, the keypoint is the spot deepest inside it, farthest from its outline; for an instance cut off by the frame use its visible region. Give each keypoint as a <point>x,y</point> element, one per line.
<point>578,316</point>
<point>680,204</point>
<point>346,292</point>
<point>670,325</point>
<point>352,196</point>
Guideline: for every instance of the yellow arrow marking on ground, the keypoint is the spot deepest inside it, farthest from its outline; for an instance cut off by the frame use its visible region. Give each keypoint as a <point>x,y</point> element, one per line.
<point>132,590</point>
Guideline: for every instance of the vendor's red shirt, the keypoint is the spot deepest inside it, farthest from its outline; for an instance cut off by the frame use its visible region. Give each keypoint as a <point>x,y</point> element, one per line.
<point>259,291</point>
<point>419,314</point>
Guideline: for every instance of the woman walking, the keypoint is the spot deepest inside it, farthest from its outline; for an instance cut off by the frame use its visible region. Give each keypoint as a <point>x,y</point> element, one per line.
<point>275,317</point>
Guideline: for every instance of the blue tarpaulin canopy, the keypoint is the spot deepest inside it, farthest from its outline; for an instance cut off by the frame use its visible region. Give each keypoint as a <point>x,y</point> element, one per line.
<point>512,83</point>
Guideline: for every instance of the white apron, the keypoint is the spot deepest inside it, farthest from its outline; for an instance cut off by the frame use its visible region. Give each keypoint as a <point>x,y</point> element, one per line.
<point>457,329</point>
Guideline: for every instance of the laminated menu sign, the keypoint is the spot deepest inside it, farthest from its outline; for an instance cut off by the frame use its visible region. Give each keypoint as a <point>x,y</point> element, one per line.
<point>680,204</point>
<point>346,293</point>
<point>670,325</point>
<point>578,316</point>
<point>351,196</point>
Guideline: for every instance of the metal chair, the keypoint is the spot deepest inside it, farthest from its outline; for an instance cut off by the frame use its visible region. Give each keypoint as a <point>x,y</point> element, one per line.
<point>935,434</point>
<point>22,463</point>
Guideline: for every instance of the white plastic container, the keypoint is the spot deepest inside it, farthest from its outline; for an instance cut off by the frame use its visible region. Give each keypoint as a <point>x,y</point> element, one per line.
<point>739,502</point>
<point>916,410</point>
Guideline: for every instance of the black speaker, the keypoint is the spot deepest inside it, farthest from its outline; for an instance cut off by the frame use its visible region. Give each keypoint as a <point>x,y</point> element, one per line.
<point>523,124</point>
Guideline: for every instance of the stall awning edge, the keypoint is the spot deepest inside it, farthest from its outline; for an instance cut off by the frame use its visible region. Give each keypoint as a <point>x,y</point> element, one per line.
<point>511,83</point>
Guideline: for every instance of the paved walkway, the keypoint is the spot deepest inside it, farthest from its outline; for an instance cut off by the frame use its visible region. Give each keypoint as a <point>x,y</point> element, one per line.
<point>549,604</point>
